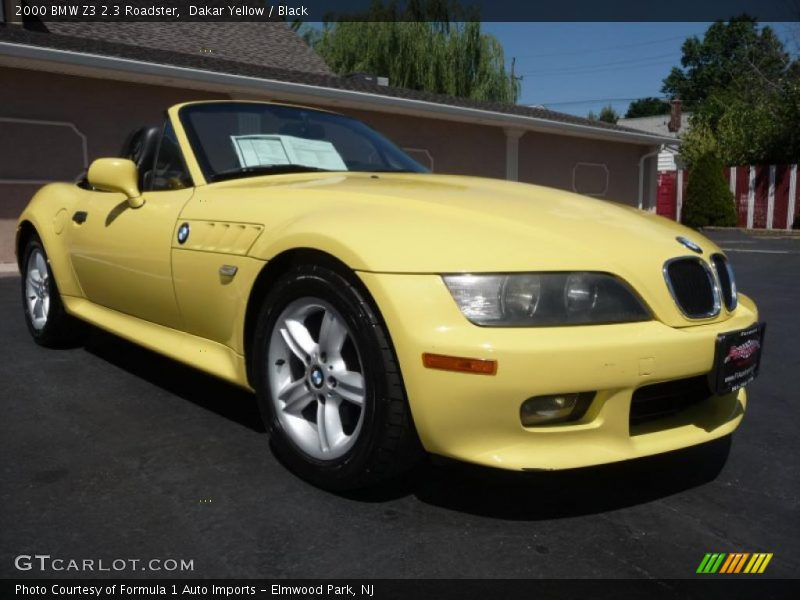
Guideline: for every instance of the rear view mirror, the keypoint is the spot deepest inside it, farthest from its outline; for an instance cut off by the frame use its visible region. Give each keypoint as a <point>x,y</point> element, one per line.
<point>116,175</point>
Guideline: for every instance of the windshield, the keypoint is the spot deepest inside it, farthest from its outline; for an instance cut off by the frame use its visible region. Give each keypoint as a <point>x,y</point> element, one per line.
<point>239,139</point>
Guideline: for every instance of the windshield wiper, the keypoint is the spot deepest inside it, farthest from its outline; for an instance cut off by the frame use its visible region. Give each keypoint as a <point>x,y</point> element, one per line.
<point>264,170</point>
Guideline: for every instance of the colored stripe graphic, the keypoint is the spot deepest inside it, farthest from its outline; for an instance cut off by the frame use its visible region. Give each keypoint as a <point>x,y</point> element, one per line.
<point>703,563</point>
<point>749,566</point>
<point>765,563</point>
<point>722,563</point>
<point>741,562</point>
<point>711,563</point>
<point>758,563</point>
<point>734,563</point>
<point>729,563</point>
<point>718,563</point>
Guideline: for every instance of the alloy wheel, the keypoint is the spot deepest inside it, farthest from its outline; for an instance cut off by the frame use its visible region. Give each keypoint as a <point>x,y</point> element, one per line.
<point>37,289</point>
<point>316,378</point>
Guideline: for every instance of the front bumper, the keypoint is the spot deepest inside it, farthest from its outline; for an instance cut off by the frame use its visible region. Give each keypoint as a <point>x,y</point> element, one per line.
<point>476,418</point>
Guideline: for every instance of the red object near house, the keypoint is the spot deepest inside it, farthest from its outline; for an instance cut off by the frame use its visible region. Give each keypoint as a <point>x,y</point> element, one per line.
<point>781,205</point>
<point>741,194</point>
<point>666,198</point>
<point>766,196</point>
<point>796,211</point>
<point>762,192</point>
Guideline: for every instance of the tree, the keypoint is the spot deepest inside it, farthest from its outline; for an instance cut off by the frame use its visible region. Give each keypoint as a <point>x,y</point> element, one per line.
<point>744,92</point>
<point>709,201</point>
<point>698,141</point>
<point>731,56</point>
<point>647,107</point>
<point>608,114</point>
<point>421,48</point>
<point>764,128</point>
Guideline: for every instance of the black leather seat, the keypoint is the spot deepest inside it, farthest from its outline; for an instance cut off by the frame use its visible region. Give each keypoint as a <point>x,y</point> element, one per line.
<point>141,147</point>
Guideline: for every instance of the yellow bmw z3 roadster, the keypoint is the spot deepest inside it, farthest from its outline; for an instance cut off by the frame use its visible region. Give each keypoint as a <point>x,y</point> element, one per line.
<point>379,311</point>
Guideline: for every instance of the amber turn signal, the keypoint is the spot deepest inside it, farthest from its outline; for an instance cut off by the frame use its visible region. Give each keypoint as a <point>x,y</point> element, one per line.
<point>459,364</point>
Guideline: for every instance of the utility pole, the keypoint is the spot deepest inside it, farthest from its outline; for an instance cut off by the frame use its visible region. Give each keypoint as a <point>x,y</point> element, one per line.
<point>514,78</point>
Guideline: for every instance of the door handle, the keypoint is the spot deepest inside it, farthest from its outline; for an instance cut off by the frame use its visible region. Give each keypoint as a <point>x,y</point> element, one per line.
<point>80,217</point>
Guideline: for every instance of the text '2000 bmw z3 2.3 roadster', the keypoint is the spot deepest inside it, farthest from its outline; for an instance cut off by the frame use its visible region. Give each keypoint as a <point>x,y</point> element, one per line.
<point>379,311</point>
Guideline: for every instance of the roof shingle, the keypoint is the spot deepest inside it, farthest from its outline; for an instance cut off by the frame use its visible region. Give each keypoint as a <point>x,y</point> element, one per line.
<point>266,44</point>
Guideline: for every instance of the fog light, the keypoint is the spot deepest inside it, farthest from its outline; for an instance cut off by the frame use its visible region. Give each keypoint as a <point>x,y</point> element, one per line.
<point>555,408</point>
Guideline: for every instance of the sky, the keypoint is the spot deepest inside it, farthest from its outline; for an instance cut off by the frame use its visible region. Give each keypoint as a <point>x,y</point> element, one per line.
<point>581,67</point>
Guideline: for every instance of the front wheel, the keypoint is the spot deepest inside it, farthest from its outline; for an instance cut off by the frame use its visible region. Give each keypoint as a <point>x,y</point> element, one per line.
<point>328,383</point>
<point>47,321</point>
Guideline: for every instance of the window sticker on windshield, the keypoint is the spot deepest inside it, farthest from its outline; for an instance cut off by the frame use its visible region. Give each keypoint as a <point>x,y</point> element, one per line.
<point>262,150</point>
<point>259,150</point>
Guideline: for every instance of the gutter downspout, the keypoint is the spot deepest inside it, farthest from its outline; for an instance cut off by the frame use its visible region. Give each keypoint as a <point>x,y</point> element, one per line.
<point>643,158</point>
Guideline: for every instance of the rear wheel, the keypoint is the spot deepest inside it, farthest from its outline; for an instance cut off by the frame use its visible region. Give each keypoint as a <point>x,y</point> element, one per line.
<point>328,383</point>
<point>47,321</point>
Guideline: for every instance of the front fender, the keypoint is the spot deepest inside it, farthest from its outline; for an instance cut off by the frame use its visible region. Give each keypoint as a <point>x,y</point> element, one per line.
<point>315,232</point>
<point>48,213</point>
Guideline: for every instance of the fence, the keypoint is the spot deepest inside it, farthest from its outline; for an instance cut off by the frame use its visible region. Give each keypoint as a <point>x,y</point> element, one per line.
<point>766,196</point>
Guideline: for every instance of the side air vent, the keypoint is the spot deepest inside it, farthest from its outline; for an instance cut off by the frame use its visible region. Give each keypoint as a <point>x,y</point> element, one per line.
<point>693,287</point>
<point>727,282</point>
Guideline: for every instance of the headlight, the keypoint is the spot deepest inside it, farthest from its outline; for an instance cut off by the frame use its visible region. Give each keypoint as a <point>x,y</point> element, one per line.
<point>545,299</point>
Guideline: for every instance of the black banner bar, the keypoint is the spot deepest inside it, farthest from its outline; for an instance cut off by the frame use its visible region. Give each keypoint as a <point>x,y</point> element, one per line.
<point>706,587</point>
<point>453,10</point>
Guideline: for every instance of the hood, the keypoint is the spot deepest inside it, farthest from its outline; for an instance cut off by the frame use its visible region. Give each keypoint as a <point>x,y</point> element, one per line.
<point>453,223</point>
<point>424,223</point>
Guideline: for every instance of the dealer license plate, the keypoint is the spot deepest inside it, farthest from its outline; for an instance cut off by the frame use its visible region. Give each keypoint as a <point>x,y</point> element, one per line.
<point>737,358</point>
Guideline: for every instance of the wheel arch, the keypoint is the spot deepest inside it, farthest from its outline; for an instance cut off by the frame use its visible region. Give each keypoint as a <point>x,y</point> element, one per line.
<point>46,216</point>
<point>272,272</point>
<point>25,231</point>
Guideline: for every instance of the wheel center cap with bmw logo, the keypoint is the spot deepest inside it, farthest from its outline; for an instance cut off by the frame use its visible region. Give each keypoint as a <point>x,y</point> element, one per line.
<point>316,377</point>
<point>689,244</point>
<point>183,233</point>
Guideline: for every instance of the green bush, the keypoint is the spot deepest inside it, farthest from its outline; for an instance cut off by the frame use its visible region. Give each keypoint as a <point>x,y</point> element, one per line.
<point>708,199</point>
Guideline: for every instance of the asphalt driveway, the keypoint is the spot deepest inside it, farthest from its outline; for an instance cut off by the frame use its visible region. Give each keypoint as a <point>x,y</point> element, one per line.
<point>110,451</point>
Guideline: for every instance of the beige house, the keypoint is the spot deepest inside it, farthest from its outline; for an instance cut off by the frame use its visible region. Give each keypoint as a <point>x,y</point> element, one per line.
<point>72,91</point>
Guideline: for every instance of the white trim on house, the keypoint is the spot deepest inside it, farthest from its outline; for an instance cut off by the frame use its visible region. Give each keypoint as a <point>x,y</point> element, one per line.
<point>792,196</point>
<point>512,152</point>
<point>40,122</point>
<point>110,67</point>
<point>751,196</point>
<point>771,197</point>
<point>666,161</point>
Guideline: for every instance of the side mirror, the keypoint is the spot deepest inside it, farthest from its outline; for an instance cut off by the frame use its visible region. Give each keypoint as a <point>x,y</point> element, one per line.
<point>116,175</point>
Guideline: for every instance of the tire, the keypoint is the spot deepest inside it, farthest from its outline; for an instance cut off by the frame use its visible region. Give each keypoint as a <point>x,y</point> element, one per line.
<point>323,355</point>
<point>47,321</point>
